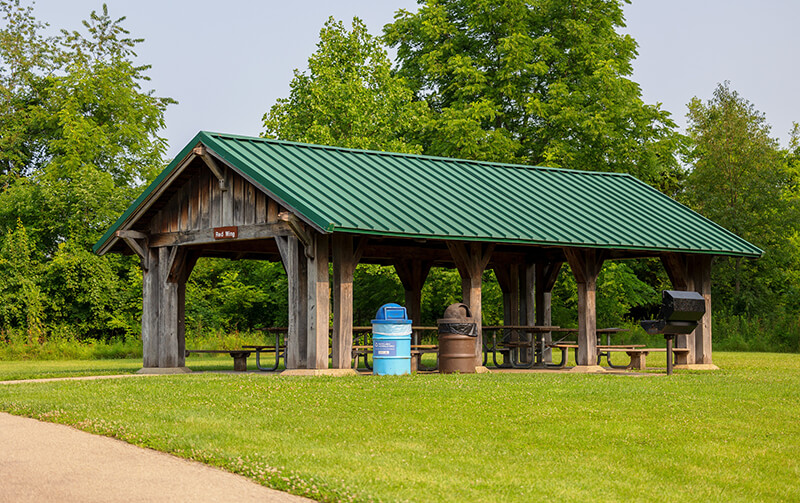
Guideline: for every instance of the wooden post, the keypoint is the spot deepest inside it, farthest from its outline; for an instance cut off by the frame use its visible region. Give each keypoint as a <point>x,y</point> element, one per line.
<point>546,276</point>
<point>180,274</point>
<point>412,274</point>
<point>181,324</point>
<point>318,302</point>
<point>294,263</point>
<point>508,278</point>
<point>586,265</point>
<point>678,269</point>
<point>471,261</point>
<point>702,335</point>
<point>528,283</point>
<point>166,270</point>
<point>527,314</point>
<point>345,259</point>
<point>168,310</point>
<point>150,305</point>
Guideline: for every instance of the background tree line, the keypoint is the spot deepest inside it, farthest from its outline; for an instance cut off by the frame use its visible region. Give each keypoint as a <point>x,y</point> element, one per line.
<point>544,82</point>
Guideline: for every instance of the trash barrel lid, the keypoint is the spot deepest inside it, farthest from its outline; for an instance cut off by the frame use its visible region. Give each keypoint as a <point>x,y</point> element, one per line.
<point>392,313</point>
<point>458,311</point>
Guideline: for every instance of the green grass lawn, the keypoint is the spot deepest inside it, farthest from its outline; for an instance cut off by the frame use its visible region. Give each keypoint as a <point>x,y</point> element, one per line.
<point>48,369</point>
<point>730,435</point>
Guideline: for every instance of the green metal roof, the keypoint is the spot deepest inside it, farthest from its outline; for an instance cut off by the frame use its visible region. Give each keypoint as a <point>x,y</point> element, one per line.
<point>389,194</point>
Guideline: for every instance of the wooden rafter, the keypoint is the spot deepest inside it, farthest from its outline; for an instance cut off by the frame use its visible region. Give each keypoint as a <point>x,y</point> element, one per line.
<point>138,242</point>
<point>202,153</point>
<point>300,231</point>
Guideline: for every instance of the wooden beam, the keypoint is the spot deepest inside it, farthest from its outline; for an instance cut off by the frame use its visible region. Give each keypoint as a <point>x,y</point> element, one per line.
<point>206,236</point>
<point>182,322</point>
<point>138,243</point>
<point>182,264</point>
<point>361,245</point>
<point>140,251</point>
<point>507,275</point>
<point>202,152</point>
<point>391,253</point>
<point>150,307</point>
<point>131,234</point>
<point>167,311</point>
<point>527,296</point>
<point>508,278</point>
<point>677,266</point>
<point>586,265</point>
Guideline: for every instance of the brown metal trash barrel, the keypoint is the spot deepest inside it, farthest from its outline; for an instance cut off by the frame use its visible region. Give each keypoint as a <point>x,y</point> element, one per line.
<point>458,340</point>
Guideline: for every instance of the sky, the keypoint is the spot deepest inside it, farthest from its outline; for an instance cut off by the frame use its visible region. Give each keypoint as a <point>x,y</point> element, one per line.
<point>227,62</point>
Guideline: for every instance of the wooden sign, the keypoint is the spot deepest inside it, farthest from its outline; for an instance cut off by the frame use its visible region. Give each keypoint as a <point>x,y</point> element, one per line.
<point>226,232</point>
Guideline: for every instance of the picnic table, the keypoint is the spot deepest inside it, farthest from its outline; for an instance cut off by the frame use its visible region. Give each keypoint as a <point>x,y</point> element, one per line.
<point>511,349</point>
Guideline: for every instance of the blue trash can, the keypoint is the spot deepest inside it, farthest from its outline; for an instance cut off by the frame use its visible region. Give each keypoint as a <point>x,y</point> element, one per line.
<point>391,341</point>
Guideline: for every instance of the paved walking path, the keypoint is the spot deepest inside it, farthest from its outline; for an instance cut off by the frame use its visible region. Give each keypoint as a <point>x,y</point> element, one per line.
<point>51,462</point>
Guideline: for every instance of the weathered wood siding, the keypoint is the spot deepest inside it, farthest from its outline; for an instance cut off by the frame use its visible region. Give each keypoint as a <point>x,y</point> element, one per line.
<point>201,204</point>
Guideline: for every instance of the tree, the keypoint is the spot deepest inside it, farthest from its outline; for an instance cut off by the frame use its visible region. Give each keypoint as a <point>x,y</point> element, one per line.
<point>543,82</point>
<point>348,98</point>
<point>78,139</point>
<point>742,180</point>
<point>26,58</point>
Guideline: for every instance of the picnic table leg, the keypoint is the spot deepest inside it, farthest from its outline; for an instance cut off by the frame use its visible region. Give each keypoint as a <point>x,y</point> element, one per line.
<point>564,356</point>
<point>608,359</point>
<point>267,369</point>
<point>277,356</point>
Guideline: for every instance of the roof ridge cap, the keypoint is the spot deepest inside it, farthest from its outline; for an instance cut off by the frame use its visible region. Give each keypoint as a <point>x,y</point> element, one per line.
<point>388,153</point>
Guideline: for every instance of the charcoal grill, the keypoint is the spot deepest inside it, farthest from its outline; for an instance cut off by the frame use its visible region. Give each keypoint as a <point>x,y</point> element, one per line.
<point>680,314</point>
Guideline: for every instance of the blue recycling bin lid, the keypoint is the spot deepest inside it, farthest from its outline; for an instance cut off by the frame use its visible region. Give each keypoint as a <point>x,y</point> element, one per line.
<point>392,313</point>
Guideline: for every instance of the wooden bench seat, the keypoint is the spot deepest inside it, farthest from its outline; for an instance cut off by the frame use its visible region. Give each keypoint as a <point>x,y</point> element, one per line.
<point>637,352</point>
<point>239,356</point>
<point>639,355</point>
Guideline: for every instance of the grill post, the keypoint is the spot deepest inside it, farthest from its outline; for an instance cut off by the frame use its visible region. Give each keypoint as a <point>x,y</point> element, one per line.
<point>669,338</point>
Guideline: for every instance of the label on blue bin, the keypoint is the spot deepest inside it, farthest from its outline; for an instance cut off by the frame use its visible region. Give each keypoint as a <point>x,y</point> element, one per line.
<point>391,329</point>
<point>384,348</point>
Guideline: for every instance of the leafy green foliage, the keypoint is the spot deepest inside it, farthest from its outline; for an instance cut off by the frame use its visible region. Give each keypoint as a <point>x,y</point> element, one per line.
<point>374,286</point>
<point>236,295</point>
<point>348,98</point>
<point>619,290</point>
<point>542,82</point>
<point>743,181</point>
<point>78,138</point>
<point>21,298</point>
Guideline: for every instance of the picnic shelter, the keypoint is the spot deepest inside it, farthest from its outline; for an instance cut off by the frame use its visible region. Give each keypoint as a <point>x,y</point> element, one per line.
<point>311,205</point>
